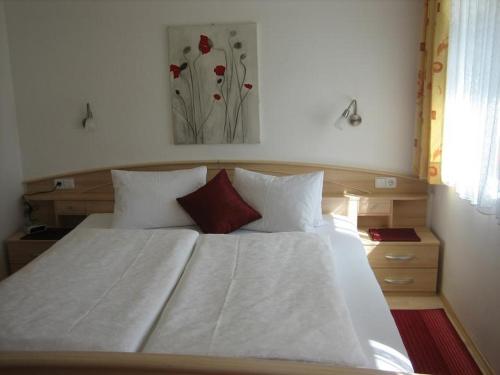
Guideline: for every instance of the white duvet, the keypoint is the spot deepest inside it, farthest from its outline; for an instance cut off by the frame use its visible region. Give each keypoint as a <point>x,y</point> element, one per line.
<point>96,289</point>
<point>255,295</point>
<point>368,310</point>
<point>259,295</point>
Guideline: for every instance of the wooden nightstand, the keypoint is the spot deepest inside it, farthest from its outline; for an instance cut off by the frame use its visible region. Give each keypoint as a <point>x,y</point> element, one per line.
<point>404,266</point>
<point>22,249</point>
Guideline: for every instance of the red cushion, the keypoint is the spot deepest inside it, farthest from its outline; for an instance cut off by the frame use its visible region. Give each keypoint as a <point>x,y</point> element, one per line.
<point>217,207</point>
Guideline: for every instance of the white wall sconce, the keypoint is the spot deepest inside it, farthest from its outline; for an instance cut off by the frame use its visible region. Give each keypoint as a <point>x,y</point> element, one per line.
<point>351,113</point>
<point>88,122</point>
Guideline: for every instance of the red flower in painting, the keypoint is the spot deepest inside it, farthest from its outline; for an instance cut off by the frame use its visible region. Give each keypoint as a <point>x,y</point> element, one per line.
<point>217,97</point>
<point>248,86</point>
<point>176,70</point>
<point>220,70</point>
<point>205,44</point>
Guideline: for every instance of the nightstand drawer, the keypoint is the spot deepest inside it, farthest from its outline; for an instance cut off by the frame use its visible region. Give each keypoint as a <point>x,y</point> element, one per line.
<point>374,206</point>
<point>70,207</point>
<point>26,251</point>
<point>402,256</point>
<point>407,280</point>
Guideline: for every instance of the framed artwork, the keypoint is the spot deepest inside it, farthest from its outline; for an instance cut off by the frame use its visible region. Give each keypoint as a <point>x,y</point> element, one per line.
<point>214,83</point>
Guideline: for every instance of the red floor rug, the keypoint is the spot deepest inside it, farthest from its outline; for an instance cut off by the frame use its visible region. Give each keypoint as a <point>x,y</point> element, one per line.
<point>433,345</point>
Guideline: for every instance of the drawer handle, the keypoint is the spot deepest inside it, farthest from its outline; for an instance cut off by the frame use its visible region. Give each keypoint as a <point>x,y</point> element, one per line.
<point>399,257</point>
<point>403,281</point>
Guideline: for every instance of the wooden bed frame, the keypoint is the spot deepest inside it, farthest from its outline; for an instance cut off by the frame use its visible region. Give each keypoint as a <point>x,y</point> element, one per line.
<point>93,193</point>
<point>101,363</point>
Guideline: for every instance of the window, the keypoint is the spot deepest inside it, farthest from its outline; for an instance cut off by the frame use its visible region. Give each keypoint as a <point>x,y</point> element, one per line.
<point>471,136</point>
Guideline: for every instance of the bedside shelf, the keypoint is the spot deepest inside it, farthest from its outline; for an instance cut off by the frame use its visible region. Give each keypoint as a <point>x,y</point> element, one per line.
<point>384,210</point>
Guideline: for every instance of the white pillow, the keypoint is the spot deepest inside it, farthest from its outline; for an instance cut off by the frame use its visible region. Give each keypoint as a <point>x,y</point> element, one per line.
<point>148,199</point>
<point>289,203</point>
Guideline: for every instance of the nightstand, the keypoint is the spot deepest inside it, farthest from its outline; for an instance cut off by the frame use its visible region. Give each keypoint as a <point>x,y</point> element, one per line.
<point>404,266</point>
<point>22,248</point>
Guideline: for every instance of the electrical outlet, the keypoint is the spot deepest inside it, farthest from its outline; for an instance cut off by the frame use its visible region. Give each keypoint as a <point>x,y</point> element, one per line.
<point>64,183</point>
<point>390,182</point>
<point>385,182</point>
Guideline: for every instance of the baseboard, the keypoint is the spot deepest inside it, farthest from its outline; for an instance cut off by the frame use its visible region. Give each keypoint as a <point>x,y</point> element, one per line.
<point>481,360</point>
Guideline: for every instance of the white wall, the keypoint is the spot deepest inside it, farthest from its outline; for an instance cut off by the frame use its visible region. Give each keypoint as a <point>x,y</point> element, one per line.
<point>314,56</point>
<point>10,156</point>
<point>470,268</point>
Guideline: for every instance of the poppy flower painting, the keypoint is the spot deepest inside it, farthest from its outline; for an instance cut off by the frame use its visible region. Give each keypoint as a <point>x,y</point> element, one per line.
<point>214,83</point>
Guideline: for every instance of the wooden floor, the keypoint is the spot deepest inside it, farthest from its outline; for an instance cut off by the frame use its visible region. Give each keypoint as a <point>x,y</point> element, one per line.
<point>404,302</point>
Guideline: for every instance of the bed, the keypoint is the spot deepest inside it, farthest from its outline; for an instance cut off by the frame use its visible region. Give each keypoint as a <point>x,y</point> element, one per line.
<point>163,293</point>
<point>370,313</point>
<point>374,326</point>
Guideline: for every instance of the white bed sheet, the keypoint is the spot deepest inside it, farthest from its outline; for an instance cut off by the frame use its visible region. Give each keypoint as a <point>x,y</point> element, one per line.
<point>370,314</point>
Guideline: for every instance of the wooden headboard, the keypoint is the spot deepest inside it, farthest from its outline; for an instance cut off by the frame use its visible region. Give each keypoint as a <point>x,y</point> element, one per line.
<point>93,190</point>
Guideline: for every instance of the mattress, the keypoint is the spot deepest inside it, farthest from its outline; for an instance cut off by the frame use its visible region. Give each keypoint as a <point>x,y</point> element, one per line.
<point>370,315</point>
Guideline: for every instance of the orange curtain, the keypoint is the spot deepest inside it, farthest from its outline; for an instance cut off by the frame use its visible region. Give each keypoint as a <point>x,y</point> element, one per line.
<point>431,91</point>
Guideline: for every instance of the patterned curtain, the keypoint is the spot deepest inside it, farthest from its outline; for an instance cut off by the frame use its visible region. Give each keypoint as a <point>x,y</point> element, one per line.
<point>431,86</point>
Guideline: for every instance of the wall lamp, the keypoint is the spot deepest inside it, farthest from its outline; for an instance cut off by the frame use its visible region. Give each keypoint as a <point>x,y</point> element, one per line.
<point>351,113</point>
<point>88,122</point>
